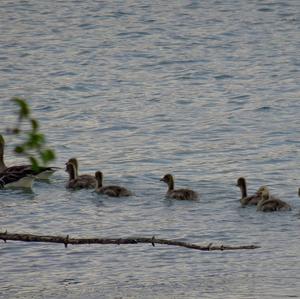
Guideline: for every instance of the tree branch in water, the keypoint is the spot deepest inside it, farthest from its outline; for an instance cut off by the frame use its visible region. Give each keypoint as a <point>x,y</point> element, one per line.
<point>5,236</point>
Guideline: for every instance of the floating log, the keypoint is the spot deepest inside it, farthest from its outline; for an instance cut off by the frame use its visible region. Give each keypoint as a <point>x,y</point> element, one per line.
<point>5,236</point>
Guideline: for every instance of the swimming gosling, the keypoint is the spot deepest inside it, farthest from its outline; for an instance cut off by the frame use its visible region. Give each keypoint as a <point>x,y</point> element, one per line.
<point>76,182</point>
<point>113,191</point>
<point>270,204</point>
<point>181,194</point>
<point>245,199</point>
<point>89,179</point>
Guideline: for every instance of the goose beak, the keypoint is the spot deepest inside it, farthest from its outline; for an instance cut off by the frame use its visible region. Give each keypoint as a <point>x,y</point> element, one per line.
<point>162,179</point>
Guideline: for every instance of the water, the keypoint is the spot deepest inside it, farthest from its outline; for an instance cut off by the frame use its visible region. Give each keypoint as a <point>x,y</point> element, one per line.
<point>206,90</point>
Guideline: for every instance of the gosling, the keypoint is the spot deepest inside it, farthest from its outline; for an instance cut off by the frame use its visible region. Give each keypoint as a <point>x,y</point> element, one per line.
<point>270,204</point>
<point>76,182</point>
<point>113,191</point>
<point>245,199</point>
<point>90,180</point>
<point>181,194</point>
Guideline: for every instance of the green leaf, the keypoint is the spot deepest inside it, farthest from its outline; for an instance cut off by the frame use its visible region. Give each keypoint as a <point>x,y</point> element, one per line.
<point>33,145</point>
<point>24,108</point>
<point>16,131</point>
<point>34,124</point>
<point>47,155</point>
<point>19,149</point>
<point>34,163</point>
<point>35,140</point>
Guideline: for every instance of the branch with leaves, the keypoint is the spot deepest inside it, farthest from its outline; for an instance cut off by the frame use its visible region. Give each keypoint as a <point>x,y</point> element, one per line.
<point>5,236</point>
<point>34,143</point>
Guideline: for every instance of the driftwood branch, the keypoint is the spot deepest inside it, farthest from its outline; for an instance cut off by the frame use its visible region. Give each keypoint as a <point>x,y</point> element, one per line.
<point>5,236</point>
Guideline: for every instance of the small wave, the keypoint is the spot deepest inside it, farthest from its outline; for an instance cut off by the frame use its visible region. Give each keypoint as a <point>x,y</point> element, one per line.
<point>184,102</point>
<point>244,96</point>
<point>222,77</point>
<point>264,108</point>
<point>87,26</point>
<point>64,88</point>
<point>134,34</point>
<point>265,9</point>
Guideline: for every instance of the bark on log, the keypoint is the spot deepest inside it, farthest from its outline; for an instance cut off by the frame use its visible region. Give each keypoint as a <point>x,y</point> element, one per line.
<point>5,236</point>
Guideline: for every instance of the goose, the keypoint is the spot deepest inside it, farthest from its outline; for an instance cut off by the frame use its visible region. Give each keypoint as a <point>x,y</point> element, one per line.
<point>114,191</point>
<point>245,199</point>
<point>16,180</point>
<point>76,182</point>
<point>182,194</point>
<point>90,179</point>
<point>42,173</point>
<point>270,204</point>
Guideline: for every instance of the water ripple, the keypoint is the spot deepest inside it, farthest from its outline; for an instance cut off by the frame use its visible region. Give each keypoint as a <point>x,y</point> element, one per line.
<point>208,91</point>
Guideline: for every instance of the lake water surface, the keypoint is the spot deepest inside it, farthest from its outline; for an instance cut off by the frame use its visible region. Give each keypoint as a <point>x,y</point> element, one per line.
<point>206,90</point>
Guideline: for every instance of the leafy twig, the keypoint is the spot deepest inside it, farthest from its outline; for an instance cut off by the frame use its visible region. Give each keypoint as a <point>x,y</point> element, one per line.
<point>34,144</point>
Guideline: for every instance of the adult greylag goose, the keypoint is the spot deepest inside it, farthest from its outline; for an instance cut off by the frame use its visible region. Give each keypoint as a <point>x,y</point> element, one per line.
<point>42,173</point>
<point>270,204</point>
<point>182,194</point>
<point>112,190</point>
<point>90,179</point>
<point>245,199</point>
<point>16,180</point>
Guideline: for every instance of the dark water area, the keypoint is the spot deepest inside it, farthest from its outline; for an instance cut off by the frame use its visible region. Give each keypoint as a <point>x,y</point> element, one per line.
<point>206,90</point>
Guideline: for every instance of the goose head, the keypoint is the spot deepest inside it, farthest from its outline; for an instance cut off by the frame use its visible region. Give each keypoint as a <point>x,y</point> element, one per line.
<point>241,182</point>
<point>73,161</point>
<point>169,180</point>
<point>70,169</point>
<point>264,193</point>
